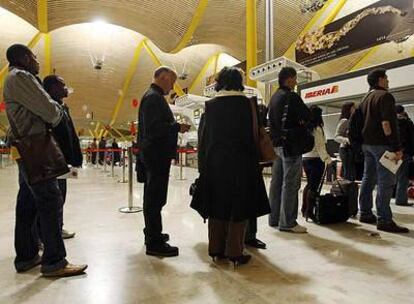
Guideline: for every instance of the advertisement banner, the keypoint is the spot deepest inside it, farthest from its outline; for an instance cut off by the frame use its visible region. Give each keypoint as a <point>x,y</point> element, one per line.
<point>381,22</point>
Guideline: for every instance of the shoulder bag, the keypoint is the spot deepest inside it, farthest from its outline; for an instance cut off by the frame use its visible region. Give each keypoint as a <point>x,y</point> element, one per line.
<point>296,141</point>
<point>41,156</point>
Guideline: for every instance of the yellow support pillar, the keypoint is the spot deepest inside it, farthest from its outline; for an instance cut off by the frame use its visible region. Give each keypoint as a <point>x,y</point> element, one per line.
<point>204,70</point>
<point>48,56</point>
<point>91,133</point>
<point>42,16</point>
<point>364,57</point>
<point>157,61</point>
<point>127,82</point>
<point>198,15</point>
<point>119,133</point>
<point>251,39</point>
<point>334,12</point>
<point>290,51</point>
<point>216,63</point>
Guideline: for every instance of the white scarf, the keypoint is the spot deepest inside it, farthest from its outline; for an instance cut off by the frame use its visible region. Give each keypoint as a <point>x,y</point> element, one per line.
<point>224,93</point>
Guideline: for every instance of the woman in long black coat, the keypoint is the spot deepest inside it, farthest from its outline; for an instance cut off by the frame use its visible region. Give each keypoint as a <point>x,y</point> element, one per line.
<point>233,187</point>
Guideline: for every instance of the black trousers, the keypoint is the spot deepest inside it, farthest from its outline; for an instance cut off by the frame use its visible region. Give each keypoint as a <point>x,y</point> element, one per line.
<point>43,201</point>
<point>251,229</point>
<point>155,197</point>
<point>314,168</point>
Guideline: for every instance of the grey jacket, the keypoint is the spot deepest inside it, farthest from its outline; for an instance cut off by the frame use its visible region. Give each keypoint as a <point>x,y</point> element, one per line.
<point>28,106</point>
<point>341,134</point>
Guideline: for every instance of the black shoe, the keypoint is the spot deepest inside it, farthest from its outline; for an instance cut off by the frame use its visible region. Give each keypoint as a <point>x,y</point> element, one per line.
<point>240,260</point>
<point>165,237</point>
<point>368,219</point>
<point>405,204</point>
<point>392,227</point>
<point>256,244</point>
<point>26,266</point>
<point>162,250</point>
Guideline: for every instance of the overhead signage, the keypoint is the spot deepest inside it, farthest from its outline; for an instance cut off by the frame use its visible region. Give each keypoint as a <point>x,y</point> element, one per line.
<point>381,22</point>
<point>322,92</point>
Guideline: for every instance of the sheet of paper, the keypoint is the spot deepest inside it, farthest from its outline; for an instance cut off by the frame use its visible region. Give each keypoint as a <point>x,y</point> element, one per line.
<point>73,173</point>
<point>388,161</point>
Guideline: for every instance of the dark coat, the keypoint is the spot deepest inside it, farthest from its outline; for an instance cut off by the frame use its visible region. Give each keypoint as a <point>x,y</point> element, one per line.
<point>406,128</point>
<point>298,113</point>
<point>68,140</point>
<point>157,129</point>
<point>232,184</point>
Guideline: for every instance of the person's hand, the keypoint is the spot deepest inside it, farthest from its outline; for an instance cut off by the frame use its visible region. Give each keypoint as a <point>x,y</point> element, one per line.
<point>328,161</point>
<point>398,155</point>
<point>184,128</point>
<point>347,142</point>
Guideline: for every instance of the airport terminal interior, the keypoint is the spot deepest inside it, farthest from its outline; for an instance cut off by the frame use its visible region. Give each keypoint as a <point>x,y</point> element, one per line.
<point>107,52</point>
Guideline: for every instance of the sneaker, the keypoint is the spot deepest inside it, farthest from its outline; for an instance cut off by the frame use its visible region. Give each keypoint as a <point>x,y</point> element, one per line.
<point>69,270</point>
<point>368,219</point>
<point>162,250</point>
<point>67,234</point>
<point>28,265</point>
<point>297,229</point>
<point>392,227</point>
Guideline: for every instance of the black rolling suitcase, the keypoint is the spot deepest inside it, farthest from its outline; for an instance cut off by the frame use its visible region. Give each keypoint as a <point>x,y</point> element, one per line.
<point>328,208</point>
<point>349,189</point>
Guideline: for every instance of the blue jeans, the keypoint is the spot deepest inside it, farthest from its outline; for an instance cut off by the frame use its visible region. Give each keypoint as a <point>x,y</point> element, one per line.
<point>45,201</point>
<point>376,174</point>
<point>348,163</point>
<point>284,189</point>
<point>403,181</point>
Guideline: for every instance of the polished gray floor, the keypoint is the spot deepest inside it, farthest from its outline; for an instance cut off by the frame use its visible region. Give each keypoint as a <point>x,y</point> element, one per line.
<point>345,263</point>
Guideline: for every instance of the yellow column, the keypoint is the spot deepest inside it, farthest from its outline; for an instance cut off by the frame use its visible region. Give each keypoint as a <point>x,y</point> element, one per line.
<point>203,71</point>
<point>251,39</point>
<point>48,56</point>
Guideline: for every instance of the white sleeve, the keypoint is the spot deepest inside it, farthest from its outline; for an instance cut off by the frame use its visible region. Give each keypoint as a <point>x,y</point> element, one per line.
<point>320,145</point>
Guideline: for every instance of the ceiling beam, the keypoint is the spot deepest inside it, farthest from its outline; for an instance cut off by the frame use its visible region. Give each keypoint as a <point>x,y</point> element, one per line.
<point>157,61</point>
<point>251,39</point>
<point>309,26</point>
<point>127,82</point>
<point>42,16</point>
<point>332,15</point>
<point>204,70</point>
<point>364,58</point>
<point>198,15</point>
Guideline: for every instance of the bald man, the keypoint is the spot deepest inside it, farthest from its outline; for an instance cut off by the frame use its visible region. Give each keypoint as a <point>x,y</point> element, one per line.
<point>157,142</point>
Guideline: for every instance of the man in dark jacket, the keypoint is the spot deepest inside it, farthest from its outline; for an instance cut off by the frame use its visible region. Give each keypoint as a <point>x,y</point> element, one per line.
<point>65,135</point>
<point>406,128</point>
<point>380,134</point>
<point>102,147</point>
<point>287,170</point>
<point>157,141</point>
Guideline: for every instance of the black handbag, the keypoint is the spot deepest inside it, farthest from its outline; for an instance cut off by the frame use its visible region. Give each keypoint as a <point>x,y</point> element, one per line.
<point>328,208</point>
<point>41,156</point>
<point>198,202</point>
<point>296,141</point>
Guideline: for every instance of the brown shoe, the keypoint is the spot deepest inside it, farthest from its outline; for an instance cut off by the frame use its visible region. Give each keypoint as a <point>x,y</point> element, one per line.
<point>68,271</point>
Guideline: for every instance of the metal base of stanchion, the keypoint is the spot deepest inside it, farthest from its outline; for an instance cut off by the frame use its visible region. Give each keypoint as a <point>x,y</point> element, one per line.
<point>130,209</point>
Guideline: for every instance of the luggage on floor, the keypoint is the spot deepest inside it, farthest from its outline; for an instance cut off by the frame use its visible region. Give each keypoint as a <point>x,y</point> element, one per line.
<point>327,208</point>
<point>349,189</point>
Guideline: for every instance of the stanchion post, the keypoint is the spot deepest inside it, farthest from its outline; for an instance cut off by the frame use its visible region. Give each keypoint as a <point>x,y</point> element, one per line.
<point>105,155</point>
<point>130,208</point>
<point>112,164</point>
<point>123,167</point>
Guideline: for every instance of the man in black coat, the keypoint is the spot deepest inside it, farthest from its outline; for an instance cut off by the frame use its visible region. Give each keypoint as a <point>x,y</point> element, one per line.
<point>157,142</point>
<point>65,135</point>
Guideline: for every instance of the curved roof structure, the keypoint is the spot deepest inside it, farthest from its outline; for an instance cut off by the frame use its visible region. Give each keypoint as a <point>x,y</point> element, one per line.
<point>184,34</point>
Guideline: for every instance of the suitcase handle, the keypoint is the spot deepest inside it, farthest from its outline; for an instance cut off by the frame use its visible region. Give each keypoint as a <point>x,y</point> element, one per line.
<point>322,180</point>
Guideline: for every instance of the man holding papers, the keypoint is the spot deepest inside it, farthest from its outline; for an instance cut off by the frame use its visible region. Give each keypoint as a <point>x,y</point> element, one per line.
<point>380,138</point>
